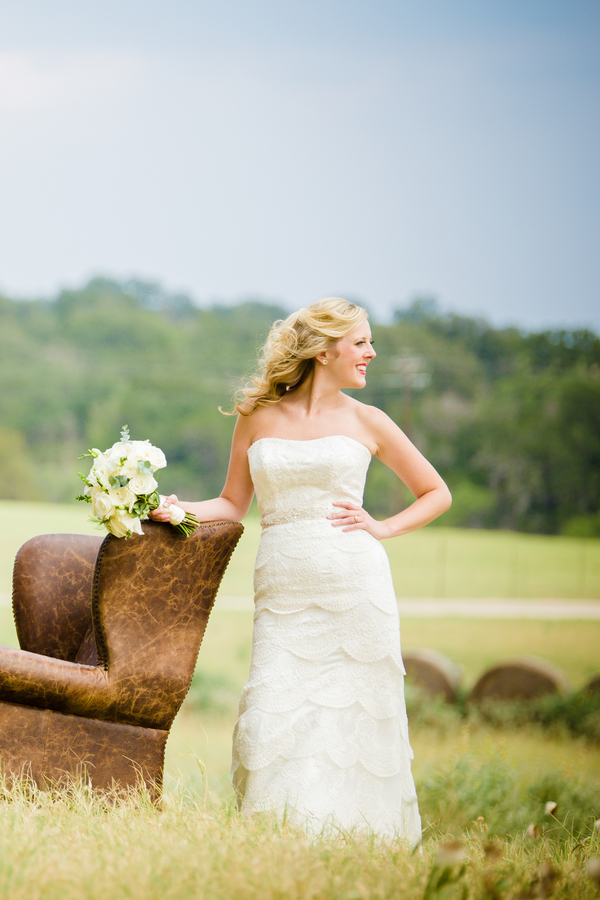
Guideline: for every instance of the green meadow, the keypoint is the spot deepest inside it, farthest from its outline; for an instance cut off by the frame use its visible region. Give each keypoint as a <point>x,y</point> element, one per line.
<point>433,562</point>
<point>483,787</point>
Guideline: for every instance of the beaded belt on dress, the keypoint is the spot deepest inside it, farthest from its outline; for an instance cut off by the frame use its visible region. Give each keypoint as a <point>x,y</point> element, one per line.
<point>295,515</point>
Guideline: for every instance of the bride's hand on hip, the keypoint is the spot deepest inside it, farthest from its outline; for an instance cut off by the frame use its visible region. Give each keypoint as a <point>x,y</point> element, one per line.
<point>162,513</point>
<point>354,518</point>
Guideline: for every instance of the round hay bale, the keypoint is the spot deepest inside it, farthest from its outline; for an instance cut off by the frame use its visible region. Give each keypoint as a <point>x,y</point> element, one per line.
<point>593,685</point>
<point>519,679</point>
<point>432,672</point>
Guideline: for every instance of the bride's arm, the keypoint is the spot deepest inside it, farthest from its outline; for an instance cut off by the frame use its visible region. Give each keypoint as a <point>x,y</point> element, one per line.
<point>397,452</point>
<point>236,497</point>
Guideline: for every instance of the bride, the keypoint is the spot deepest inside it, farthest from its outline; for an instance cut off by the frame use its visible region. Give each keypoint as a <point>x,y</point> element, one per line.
<point>322,735</point>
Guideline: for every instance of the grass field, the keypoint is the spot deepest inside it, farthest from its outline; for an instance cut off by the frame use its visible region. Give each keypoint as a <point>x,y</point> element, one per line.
<point>69,847</point>
<point>433,562</point>
<point>72,847</point>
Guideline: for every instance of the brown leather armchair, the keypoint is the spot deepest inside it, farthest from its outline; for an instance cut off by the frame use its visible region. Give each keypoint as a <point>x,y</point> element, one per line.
<point>110,632</point>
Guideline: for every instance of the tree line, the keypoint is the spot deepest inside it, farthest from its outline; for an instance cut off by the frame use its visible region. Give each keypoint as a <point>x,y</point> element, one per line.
<point>510,419</point>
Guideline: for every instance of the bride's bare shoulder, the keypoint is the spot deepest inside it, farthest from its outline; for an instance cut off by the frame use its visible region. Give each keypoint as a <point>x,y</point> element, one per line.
<point>380,428</point>
<point>262,420</point>
<point>369,416</point>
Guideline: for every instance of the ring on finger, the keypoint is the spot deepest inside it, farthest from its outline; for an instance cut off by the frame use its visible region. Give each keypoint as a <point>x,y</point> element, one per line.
<point>356,519</point>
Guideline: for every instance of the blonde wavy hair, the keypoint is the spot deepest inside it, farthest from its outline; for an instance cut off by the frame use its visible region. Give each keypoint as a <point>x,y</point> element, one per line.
<point>288,356</point>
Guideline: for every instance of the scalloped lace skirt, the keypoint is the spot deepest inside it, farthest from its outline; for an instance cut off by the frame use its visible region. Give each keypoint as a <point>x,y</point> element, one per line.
<point>322,734</point>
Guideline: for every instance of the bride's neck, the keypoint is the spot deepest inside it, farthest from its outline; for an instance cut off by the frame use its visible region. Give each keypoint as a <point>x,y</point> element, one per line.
<point>313,396</point>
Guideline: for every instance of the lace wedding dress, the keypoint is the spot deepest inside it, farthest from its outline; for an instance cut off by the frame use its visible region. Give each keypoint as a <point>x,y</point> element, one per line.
<point>322,735</point>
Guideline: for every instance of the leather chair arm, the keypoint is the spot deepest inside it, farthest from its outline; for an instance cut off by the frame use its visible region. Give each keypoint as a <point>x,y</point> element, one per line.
<point>34,680</point>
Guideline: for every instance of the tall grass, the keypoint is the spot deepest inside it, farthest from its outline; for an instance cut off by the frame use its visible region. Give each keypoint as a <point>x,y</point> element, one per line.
<point>73,846</point>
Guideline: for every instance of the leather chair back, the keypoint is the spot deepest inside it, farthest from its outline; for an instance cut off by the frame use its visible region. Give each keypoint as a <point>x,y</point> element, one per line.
<point>152,596</point>
<point>52,580</point>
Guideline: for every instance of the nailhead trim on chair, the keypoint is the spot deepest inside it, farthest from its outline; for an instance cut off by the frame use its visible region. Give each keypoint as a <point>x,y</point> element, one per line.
<point>98,633</point>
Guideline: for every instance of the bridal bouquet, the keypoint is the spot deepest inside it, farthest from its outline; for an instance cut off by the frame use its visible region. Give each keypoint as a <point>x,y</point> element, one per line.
<point>122,488</point>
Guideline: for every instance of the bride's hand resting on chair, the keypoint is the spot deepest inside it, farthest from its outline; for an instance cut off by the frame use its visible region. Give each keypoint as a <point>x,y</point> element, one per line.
<point>162,512</point>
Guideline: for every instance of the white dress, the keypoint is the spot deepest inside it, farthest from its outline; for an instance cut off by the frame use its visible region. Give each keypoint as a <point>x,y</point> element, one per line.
<point>322,734</point>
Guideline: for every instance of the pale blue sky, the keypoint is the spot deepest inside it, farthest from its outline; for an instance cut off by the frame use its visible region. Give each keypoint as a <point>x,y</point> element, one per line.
<point>294,150</point>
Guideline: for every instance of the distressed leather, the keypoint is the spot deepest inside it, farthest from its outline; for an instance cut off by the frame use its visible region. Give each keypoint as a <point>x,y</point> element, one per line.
<point>52,580</point>
<point>54,683</point>
<point>53,750</point>
<point>110,633</point>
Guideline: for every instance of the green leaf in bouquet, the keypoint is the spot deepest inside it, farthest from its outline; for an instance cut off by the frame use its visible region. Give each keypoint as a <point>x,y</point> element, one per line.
<point>125,434</point>
<point>85,479</point>
<point>96,521</point>
<point>84,497</point>
<point>118,481</point>
<point>141,507</point>
<point>145,467</point>
<point>93,453</point>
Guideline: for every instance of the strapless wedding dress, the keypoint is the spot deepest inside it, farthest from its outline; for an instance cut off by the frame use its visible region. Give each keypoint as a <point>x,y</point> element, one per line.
<point>322,734</point>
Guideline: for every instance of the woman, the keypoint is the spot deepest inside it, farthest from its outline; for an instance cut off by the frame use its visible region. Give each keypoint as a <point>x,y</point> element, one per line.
<point>322,736</point>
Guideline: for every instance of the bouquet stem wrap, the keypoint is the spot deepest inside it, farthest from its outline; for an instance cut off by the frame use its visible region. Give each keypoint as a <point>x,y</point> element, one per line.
<point>184,522</point>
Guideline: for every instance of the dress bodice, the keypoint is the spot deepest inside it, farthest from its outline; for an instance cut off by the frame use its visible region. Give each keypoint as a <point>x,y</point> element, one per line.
<point>306,475</point>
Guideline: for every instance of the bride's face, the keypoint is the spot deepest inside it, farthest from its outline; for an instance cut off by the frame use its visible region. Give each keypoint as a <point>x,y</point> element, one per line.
<point>351,355</point>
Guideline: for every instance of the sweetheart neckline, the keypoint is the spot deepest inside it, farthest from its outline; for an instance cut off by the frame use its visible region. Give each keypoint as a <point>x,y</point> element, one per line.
<point>325,437</point>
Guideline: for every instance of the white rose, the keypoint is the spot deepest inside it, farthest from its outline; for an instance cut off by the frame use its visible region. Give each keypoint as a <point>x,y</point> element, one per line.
<point>119,450</point>
<point>157,458</point>
<point>122,524</point>
<point>146,450</point>
<point>122,497</point>
<point>102,469</point>
<point>136,525</point>
<point>113,461</point>
<point>143,483</point>
<point>129,468</point>
<point>102,505</point>
<point>117,527</point>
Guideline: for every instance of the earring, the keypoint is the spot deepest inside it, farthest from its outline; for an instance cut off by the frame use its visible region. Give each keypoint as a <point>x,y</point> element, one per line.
<point>324,361</point>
